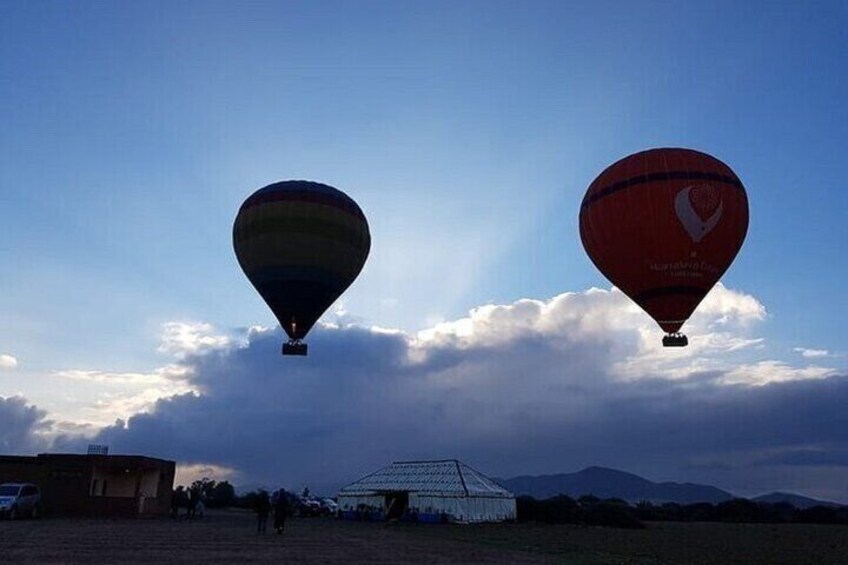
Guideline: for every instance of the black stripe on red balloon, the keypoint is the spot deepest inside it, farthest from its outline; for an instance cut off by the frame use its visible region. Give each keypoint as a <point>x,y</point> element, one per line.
<point>660,291</point>
<point>655,177</point>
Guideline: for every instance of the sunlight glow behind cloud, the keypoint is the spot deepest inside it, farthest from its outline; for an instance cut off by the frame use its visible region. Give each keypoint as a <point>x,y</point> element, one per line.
<point>120,395</point>
<point>187,474</point>
<point>184,338</point>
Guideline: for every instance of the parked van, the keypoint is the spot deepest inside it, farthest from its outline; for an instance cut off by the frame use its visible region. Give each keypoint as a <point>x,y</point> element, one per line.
<point>20,499</point>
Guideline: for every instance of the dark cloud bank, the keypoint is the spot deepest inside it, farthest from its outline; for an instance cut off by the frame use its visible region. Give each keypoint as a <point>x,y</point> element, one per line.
<point>519,401</point>
<point>19,426</point>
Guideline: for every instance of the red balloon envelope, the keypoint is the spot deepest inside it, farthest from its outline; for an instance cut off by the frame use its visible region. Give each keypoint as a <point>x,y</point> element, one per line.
<point>663,225</point>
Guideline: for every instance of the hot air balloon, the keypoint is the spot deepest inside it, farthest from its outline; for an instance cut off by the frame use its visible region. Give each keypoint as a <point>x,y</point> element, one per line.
<point>301,244</point>
<point>664,225</point>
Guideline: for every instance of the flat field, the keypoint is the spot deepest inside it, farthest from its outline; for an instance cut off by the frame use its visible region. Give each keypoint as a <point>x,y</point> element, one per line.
<point>230,537</point>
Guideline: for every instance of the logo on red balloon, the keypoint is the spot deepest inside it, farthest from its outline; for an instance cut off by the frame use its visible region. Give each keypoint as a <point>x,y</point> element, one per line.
<point>699,209</point>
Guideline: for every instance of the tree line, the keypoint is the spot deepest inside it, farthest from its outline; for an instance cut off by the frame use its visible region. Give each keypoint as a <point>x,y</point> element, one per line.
<point>614,512</point>
<point>221,494</point>
<point>215,494</point>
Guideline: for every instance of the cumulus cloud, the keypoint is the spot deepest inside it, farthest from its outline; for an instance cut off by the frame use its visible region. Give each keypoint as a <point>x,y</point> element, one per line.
<point>811,353</point>
<point>529,387</point>
<point>8,362</point>
<point>21,427</point>
<point>79,429</point>
<point>766,372</point>
<point>122,394</point>
<point>610,320</point>
<point>190,338</point>
<point>167,374</point>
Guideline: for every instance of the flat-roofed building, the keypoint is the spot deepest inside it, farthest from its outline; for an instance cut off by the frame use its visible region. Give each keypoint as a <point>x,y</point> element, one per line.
<point>95,485</point>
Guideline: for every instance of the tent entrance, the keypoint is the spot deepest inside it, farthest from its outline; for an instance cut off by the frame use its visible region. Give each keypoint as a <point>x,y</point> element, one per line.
<point>396,505</point>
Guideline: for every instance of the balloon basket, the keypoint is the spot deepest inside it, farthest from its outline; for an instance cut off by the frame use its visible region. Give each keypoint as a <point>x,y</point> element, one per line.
<point>675,340</point>
<point>294,348</point>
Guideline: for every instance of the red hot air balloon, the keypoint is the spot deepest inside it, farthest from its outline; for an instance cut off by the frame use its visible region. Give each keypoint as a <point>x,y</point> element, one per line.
<point>301,244</point>
<point>664,225</point>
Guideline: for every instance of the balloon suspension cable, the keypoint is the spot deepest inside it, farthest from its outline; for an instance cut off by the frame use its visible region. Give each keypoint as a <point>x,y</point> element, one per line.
<point>676,339</point>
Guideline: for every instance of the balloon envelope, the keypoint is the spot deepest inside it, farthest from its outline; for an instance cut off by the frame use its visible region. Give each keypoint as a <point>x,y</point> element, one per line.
<point>301,244</point>
<point>663,225</point>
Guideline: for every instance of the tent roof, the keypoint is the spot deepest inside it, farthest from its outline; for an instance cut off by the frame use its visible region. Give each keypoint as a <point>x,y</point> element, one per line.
<point>446,478</point>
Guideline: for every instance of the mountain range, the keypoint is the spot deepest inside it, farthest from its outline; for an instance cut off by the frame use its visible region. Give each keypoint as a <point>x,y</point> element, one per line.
<point>796,500</point>
<point>611,483</point>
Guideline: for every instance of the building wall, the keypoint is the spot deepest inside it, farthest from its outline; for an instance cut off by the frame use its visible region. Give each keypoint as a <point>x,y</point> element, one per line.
<point>353,502</point>
<point>464,509</point>
<point>65,488</point>
<point>351,506</point>
<point>117,483</point>
<point>432,508</point>
<point>150,484</point>
<point>158,503</point>
<point>67,483</point>
<point>17,469</point>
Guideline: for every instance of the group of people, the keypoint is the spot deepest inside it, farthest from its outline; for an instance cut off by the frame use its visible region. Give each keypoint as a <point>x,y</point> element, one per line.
<point>189,498</point>
<point>280,505</point>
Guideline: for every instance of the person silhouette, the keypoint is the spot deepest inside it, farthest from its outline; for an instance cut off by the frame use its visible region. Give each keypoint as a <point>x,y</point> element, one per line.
<point>281,509</point>
<point>263,508</point>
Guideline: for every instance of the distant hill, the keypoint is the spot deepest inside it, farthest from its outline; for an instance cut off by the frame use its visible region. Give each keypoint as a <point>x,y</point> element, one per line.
<point>796,500</point>
<point>610,483</point>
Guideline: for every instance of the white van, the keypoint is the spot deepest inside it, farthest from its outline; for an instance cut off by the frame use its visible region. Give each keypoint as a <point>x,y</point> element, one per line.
<point>20,499</point>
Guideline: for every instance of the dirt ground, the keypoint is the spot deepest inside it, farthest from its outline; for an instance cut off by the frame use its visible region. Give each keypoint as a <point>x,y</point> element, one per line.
<point>230,537</point>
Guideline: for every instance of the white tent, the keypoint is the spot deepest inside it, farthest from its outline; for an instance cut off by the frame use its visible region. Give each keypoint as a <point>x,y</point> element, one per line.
<point>428,491</point>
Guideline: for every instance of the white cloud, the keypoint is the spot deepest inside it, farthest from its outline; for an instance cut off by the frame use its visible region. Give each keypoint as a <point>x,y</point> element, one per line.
<point>608,319</point>
<point>122,394</point>
<point>74,428</point>
<point>594,314</point>
<point>162,376</point>
<point>254,331</point>
<point>8,362</point>
<point>190,338</point>
<point>767,372</point>
<point>811,353</point>
<point>723,307</point>
<point>111,406</point>
<point>339,309</point>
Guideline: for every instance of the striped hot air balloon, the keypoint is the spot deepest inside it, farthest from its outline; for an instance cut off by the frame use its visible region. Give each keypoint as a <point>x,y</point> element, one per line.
<point>664,225</point>
<point>301,244</point>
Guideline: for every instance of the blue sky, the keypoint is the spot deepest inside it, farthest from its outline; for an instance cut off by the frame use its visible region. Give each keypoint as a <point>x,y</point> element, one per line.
<point>468,134</point>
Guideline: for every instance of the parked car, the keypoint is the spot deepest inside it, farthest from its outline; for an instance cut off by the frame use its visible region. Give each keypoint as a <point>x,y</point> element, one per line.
<point>309,507</point>
<point>20,499</point>
<point>329,507</point>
